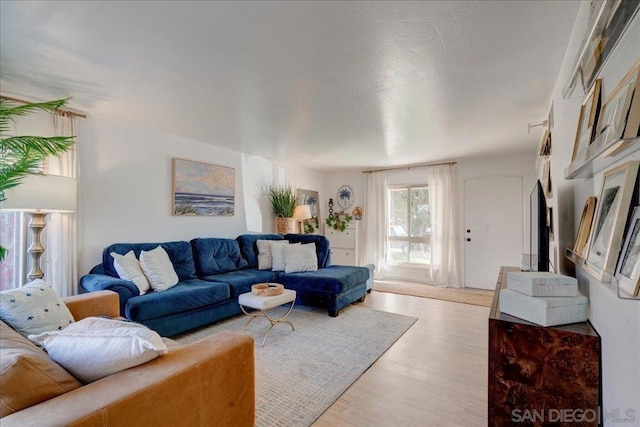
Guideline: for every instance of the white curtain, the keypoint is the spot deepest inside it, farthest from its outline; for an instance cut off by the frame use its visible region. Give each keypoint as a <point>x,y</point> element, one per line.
<point>444,268</point>
<point>61,245</point>
<point>374,230</point>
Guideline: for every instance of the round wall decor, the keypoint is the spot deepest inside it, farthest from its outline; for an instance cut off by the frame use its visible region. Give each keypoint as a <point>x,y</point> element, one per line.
<point>345,197</point>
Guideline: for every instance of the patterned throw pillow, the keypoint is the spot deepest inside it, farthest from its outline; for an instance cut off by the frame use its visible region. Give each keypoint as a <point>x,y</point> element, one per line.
<point>34,308</point>
<point>128,268</point>
<point>158,268</point>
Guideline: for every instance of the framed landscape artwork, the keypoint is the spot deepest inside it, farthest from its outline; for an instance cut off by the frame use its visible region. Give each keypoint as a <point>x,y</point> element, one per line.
<point>611,214</point>
<point>628,271</point>
<point>202,189</point>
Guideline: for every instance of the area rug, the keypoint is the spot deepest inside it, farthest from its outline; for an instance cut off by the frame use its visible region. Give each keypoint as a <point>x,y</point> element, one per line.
<point>300,373</point>
<point>466,296</point>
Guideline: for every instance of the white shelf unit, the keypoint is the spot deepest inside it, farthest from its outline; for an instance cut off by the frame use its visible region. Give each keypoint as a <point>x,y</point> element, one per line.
<point>344,244</point>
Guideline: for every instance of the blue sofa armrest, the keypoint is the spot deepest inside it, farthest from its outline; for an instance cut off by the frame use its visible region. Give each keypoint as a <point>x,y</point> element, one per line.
<point>100,282</point>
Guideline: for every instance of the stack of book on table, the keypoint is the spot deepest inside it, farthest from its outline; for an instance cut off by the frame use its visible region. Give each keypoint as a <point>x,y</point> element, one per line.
<point>543,298</point>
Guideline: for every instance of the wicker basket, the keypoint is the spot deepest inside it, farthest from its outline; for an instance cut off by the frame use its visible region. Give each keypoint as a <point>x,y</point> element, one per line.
<point>285,225</point>
<point>267,289</point>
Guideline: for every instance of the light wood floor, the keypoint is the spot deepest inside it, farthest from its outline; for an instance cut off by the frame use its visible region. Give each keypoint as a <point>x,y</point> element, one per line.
<point>434,375</point>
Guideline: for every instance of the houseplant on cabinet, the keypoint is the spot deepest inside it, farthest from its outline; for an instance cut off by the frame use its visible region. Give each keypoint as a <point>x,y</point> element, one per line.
<point>283,200</point>
<point>21,156</point>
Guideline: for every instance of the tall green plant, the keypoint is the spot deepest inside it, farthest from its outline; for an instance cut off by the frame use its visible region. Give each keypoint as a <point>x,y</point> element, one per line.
<point>283,199</point>
<point>21,156</point>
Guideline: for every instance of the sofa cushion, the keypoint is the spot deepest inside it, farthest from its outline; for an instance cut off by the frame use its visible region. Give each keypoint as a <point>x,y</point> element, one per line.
<point>241,281</point>
<point>322,246</point>
<point>28,376</point>
<point>95,347</point>
<point>334,279</point>
<point>216,256</point>
<point>179,253</point>
<point>298,258</point>
<point>157,267</point>
<point>249,248</point>
<point>185,296</point>
<point>34,308</point>
<point>277,254</point>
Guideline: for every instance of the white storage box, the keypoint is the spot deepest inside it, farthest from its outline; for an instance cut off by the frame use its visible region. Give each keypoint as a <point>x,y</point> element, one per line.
<point>542,284</point>
<point>544,311</point>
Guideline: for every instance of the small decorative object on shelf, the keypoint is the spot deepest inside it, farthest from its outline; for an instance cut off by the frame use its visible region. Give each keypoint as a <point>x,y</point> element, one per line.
<point>345,197</point>
<point>330,207</point>
<point>338,224</point>
<point>357,212</point>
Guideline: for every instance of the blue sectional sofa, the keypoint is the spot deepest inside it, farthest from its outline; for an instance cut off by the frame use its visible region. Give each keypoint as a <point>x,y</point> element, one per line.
<point>213,272</point>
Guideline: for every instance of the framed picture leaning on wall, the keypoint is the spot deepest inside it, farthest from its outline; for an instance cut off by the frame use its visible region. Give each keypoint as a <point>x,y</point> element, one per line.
<point>620,115</point>
<point>612,211</point>
<point>587,121</point>
<point>628,271</point>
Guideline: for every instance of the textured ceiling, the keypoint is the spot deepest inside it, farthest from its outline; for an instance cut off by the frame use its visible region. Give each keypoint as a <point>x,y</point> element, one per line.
<point>332,85</point>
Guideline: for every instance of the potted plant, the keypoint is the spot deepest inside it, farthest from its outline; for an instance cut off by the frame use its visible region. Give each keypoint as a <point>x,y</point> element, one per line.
<point>23,155</point>
<point>283,200</point>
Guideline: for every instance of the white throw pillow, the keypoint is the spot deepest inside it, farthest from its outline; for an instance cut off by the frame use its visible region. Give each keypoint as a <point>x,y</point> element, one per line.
<point>277,254</point>
<point>157,266</point>
<point>128,268</point>
<point>95,347</point>
<point>34,308</point>
<point>265,259</point>
<point>300,258</point>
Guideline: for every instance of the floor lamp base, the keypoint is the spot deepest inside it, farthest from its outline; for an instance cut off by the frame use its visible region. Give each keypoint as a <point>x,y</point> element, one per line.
<point>36,224</point>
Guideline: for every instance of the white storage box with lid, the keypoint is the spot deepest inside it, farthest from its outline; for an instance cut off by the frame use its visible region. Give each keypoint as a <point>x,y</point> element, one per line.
<point>542,284</point>
<point>544,311</point>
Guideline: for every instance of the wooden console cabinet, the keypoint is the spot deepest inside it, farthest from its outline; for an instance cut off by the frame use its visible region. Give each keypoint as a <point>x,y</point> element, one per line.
<point>542,375</point>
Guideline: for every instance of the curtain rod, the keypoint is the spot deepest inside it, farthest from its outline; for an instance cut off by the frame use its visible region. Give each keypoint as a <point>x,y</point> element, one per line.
<point>408,167</point>
<point>60,111</point>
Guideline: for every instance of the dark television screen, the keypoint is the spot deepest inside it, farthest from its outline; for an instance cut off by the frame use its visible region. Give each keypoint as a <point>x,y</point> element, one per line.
<point>538,229</point>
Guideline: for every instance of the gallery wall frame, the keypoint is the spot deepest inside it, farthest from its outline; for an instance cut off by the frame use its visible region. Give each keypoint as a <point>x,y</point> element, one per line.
<point>586,220</point>
<point>605,237</point>
<point>587,121</point>
<point>628,270</point>
<point>202,189</point>
<point>620,115</point>
<point>608,22</point>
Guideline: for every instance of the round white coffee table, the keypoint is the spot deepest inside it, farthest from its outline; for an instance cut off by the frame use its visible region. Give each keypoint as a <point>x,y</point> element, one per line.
<point>265,303</point>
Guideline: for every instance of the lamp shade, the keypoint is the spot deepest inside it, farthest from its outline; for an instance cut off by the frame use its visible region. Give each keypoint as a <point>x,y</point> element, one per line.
<point>302,212</point>
<point>42,193</point>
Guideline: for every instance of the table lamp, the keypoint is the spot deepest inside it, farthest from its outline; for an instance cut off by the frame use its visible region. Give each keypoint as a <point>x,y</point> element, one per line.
<point>301,213</point>
<point>39,195</point>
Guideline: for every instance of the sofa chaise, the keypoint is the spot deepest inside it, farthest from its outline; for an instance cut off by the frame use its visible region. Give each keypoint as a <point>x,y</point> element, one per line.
<point>208,383</point>
<point>213,272</point>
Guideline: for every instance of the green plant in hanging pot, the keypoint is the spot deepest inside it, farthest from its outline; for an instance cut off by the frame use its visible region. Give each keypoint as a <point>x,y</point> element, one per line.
<point>283,200</point>
<point>337,223</point>
<point>21,156</point>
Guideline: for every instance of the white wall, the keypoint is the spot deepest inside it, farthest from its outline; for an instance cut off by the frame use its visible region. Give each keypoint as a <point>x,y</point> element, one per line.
<point>126,184</point>
<point>616,320</point>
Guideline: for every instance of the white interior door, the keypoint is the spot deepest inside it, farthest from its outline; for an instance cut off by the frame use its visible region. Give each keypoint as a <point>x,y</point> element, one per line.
<point>493,228</point>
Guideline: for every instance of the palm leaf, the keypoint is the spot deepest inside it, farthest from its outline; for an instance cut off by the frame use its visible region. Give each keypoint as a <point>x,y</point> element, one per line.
<point>49,146</point>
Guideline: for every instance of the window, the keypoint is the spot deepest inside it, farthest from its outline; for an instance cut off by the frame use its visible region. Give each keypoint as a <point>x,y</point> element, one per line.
<point>409,232</point>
